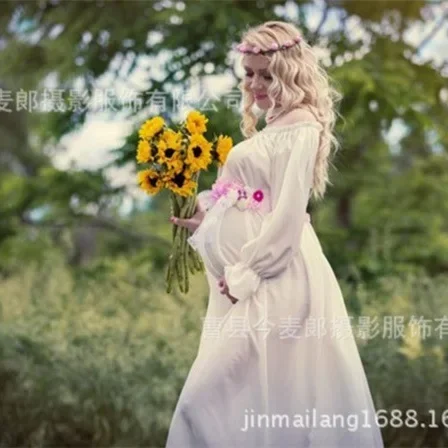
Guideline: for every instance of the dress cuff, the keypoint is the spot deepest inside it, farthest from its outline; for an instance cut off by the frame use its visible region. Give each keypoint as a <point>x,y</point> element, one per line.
<point>241,280</point>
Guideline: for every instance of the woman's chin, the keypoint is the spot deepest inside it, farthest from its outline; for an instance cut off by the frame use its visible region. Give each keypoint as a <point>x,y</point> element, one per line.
<point>262,104</point>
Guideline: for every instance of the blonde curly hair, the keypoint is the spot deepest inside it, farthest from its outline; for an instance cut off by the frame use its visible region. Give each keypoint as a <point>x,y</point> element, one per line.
<point>299,81</point>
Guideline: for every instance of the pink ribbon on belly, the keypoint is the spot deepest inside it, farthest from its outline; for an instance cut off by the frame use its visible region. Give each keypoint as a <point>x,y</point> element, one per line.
<point>243,196</point>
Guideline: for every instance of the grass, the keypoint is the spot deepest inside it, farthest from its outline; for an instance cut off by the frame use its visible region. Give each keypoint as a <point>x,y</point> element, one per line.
<point>98,357</point>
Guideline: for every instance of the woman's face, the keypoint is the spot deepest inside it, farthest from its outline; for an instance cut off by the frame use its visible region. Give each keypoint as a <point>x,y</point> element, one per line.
<point>257,78</point>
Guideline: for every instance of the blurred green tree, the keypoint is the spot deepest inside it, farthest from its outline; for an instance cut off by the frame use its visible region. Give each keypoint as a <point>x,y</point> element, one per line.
<point>381,191</point>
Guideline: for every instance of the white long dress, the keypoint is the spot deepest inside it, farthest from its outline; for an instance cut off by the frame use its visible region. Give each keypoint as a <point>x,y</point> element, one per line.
<point>272,370</point>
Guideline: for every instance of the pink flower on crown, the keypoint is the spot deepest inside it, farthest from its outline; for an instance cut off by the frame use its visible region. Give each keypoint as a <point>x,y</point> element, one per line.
<point>243,48</point>
<point>297,39</point>
<point>273,46</point>
<point>256,50</point>
<point>289,43</point>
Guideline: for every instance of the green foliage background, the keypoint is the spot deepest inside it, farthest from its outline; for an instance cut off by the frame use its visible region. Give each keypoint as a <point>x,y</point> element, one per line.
<point>92,351</point>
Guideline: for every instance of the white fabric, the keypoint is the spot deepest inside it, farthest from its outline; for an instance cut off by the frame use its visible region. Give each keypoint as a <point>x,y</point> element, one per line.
<point>260,356</point>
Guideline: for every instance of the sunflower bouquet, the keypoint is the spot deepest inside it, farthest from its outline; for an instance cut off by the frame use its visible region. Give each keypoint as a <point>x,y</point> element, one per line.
<point>173,160</point>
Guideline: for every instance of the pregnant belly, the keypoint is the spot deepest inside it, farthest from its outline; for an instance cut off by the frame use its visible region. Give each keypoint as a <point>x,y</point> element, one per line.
<point>225,235</point>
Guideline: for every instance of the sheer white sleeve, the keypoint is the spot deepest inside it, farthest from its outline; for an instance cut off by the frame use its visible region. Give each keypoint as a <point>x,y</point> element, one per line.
<point>204,197</point>
<point>270,252</point>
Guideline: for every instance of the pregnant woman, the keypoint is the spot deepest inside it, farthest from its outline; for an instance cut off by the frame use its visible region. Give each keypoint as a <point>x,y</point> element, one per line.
<point>270,369</point>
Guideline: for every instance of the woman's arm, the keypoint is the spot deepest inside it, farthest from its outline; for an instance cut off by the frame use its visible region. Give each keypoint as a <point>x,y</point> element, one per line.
<point>204,197</point>
<point>269,253</point>
<point>203,203</point>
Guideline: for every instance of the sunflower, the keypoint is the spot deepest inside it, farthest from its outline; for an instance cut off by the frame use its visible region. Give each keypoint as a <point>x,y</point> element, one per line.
<point>177,166</point>
<point>223,147</point>
<point>172,138</point>
<point>188,171</point>
<point>150,181</point>
<point>151,127</point>
<point>143,152</point>
<point>196,123</point>
<point>181,184</point>
<point>199,154</point>
<point>169,148</point>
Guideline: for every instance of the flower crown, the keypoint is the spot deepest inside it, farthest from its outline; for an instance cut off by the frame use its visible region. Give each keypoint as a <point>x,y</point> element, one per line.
<point>245,48</point>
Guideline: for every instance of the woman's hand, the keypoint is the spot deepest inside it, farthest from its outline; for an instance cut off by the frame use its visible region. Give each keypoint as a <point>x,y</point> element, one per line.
<point>191,223</point>
<point>225,290</point>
